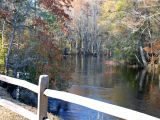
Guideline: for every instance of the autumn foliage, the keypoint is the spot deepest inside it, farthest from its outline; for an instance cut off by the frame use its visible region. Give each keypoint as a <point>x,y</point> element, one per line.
<point>153,52</point>
<point>38,22</point>
<point>4,14</point>
<point>57,7</point>
<point>30,32</point>
<point>154,47</point>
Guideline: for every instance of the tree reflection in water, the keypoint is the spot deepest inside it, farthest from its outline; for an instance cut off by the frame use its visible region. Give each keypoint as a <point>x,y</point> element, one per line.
<point>136,89</point>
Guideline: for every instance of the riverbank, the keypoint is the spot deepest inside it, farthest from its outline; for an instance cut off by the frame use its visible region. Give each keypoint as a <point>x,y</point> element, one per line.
<point>6,114</point>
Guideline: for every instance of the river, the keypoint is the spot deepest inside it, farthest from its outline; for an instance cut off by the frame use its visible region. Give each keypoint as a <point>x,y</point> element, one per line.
<point>127,87</point>
<point>131,88</point>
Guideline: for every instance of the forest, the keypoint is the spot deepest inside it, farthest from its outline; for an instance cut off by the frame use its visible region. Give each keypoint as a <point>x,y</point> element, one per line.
<point>37,35</point>
<point>104,51</point>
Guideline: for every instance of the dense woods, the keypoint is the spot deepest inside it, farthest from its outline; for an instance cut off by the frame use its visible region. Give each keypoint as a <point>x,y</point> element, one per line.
<point>107,50</point>
<point>30,34</point>
<point>132,25</point>
<point>119,29</point>
<point>36,35</point>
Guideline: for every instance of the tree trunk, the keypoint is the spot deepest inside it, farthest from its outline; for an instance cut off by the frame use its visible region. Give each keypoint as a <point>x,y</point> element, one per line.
<point>143,57</point>
<point>3,34</point>
<point>142,78</point>
<point>9,50</point>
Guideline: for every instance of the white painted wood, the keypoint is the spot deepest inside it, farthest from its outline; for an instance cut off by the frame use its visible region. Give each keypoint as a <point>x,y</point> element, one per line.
<point>17,109</point>
<point>107,108</point>
<point>44,93</point>
<point>19,82</point>
<point>42,99</point>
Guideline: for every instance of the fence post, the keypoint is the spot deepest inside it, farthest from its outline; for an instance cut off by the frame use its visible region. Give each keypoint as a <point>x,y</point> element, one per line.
<point>42,99</point>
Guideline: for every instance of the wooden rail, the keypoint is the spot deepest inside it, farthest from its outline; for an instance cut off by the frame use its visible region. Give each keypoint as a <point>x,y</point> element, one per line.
<point>103,107</point>
<point>19,82</point>
<point>44,93</point>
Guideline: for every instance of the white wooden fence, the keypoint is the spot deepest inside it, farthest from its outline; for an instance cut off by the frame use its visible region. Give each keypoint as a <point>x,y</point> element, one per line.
<point>44,93</point>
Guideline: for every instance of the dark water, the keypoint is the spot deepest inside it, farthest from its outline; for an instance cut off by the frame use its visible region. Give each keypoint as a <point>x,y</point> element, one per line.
<point>130,88</point>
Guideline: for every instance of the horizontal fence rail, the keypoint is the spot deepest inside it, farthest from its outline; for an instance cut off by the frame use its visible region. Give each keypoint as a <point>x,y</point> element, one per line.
<point>19,82</point>
<point>44,93</point>
<point>107,108</point>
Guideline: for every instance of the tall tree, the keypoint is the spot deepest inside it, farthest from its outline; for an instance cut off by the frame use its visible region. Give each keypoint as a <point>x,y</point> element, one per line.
<point>133,23</point>
<point>34,24</point>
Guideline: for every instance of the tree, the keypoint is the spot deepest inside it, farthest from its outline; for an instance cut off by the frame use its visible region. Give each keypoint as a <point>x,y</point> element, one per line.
<point>57,7</point>
<point>132,23</point>
<point>85,27</point>
<point>34,25</point>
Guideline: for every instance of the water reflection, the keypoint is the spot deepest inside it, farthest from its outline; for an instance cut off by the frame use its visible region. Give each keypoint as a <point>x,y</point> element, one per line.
<point>85,69</point>
<point>131,88</point>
